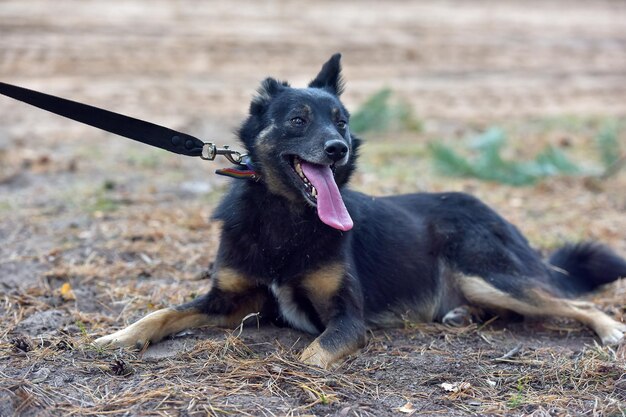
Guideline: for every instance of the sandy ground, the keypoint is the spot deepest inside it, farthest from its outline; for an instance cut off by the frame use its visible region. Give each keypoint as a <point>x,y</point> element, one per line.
<point>127,226</point>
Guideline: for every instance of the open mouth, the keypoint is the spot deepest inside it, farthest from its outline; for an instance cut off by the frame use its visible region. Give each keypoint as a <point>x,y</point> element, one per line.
<point>309,189</point>
<point>321,191</point>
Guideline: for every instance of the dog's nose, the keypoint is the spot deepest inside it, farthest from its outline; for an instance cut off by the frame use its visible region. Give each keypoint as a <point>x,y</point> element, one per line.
<point>335,149</point>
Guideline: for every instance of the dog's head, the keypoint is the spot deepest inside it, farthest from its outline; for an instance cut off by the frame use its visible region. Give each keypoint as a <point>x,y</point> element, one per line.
<point>299,141</point>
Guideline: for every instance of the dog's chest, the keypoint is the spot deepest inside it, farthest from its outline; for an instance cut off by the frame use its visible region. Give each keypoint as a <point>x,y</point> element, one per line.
<point>282,258</point>
<point>291,308</point>
<point>307,302</point>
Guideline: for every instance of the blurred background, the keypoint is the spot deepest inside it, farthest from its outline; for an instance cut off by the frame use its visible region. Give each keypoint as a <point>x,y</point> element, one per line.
<point>521,103</point>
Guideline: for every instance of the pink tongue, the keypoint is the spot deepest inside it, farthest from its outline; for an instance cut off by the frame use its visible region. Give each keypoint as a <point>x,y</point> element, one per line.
<point>330,207</point>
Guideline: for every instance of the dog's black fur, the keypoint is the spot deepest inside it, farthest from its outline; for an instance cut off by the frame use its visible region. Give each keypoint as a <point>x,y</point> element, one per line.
<point>408,257</point>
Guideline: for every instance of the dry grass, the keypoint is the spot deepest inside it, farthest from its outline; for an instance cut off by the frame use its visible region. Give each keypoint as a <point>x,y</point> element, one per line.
<point>230,376</point>
<point>126,226</point>
<point>214,377</point>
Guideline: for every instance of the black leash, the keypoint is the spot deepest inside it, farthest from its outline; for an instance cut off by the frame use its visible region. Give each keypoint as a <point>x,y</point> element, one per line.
<point>129,127</point>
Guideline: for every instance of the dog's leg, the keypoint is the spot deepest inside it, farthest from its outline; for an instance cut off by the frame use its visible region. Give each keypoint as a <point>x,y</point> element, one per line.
<point>535,302</point>
<point>155,326</point>
<point>336,294</point>
<point>344,335</point>
<point>231,298</point>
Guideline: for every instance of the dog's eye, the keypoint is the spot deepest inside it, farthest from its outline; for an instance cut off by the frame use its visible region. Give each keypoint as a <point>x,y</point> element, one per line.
<point>298,121</point>
<point>341,124</point>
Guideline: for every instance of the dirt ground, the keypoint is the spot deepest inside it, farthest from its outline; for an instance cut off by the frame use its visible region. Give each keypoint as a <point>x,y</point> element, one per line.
<point>96,231</point>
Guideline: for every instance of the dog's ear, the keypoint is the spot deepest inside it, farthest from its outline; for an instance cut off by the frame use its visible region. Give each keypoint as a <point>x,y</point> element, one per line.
<point>329,77</point>
<point>268,89</point>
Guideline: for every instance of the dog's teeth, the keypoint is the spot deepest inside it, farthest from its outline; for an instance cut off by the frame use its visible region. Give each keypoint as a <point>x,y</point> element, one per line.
<point>298,168</point>
<point>313,192</point>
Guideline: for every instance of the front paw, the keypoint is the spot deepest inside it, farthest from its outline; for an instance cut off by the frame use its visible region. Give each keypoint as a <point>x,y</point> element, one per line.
<point>612,333</point>
<point>316,355</point>
<point>150,329</point>
<point>127,337</point>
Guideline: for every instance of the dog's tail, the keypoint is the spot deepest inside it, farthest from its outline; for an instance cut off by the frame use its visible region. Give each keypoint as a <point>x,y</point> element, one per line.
<point>580,268</point>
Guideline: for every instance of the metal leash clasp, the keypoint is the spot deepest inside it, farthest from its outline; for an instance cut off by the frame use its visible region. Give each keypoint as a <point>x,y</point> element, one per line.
<point>210,152</point>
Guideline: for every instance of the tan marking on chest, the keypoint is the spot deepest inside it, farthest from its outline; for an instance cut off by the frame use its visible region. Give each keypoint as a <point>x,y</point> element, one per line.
<point>230,280</point>
<point>322,285</point>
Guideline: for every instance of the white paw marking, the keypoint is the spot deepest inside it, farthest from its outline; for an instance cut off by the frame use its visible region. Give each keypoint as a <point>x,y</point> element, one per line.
<point>315,355</point>
<point>613,334</point>
<point>457,317</point>
<point>127,337</point>
<point>146,330</point>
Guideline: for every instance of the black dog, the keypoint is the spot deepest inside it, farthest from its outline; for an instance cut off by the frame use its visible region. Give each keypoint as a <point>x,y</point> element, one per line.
<point>296,249</point>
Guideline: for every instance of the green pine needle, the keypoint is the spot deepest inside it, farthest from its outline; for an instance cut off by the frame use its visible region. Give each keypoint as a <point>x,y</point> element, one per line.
<point>382,113</point>
<point>488,164</point>
<point>608,144</point>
